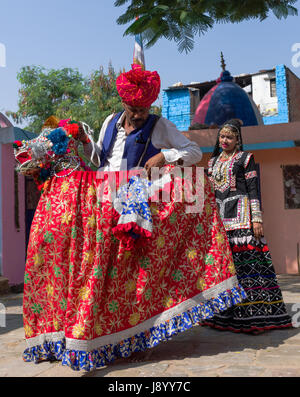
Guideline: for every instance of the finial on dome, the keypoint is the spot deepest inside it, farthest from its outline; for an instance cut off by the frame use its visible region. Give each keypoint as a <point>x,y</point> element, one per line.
<point>223,62</point>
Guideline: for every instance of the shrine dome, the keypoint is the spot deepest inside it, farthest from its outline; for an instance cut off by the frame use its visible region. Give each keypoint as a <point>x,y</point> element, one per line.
<point>224,101</point>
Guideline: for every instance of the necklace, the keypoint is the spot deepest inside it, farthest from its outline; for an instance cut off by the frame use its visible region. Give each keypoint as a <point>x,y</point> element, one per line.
<point>219,174</point>
<point>226,156</point>
<point>68,164</point>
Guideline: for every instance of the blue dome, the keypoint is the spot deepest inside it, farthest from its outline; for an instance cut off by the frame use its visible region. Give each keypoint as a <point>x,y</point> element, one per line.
<point>227,100</point>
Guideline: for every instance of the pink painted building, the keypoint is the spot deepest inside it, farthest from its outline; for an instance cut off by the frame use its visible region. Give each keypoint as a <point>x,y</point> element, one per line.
<point>276,149</point>
<point>14,210</point>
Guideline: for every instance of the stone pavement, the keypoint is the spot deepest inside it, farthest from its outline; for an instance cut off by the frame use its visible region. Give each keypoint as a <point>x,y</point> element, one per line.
<point>199,352</point>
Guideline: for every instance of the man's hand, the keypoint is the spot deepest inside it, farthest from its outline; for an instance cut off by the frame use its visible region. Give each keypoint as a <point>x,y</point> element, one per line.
<point>258,229</point>
<point>82,136</point>
<point>156,161</point>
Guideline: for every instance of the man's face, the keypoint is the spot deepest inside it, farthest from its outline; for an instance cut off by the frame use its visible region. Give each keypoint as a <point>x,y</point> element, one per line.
<point>136,116</point>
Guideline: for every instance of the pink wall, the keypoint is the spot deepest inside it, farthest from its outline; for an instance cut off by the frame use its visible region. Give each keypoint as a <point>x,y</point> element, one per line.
<point>13,242</point>
<point>281,226</point>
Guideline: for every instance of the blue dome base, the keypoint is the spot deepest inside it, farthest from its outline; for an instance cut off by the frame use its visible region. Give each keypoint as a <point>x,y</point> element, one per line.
<point>230,101</point>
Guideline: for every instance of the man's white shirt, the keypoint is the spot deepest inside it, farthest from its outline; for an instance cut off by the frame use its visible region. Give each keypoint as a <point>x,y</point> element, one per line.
<point>164,136</point>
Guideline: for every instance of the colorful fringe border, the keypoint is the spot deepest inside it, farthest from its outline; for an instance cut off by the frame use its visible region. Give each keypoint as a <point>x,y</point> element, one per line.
<point>82,360</point>
<point>129,232</point>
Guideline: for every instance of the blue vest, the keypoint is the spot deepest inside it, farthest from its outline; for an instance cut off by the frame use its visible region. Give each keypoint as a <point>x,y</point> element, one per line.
<point>138,145</point>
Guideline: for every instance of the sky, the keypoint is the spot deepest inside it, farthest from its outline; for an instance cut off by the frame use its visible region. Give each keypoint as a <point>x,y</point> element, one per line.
<point>84,35</point>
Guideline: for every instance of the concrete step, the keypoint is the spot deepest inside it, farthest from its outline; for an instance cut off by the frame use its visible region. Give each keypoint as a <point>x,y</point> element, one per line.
<point>4,286</point>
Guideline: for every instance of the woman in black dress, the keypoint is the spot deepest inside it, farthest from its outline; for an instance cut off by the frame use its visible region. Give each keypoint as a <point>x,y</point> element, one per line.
<point>234,177</point>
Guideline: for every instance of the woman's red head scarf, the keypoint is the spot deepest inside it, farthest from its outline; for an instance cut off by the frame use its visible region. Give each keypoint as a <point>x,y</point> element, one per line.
<point>138,87</point>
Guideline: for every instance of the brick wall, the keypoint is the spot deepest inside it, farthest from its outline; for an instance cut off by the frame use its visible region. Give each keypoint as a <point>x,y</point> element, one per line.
<point>281,91</point>
<point>177,107</point>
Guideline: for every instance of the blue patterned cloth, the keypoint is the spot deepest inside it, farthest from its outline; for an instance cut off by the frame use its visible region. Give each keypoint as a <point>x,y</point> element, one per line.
<point>82,360</point>
<point>132,203</point>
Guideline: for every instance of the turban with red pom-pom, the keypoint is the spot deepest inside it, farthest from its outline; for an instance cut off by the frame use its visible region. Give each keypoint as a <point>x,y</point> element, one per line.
<point>138,87</point>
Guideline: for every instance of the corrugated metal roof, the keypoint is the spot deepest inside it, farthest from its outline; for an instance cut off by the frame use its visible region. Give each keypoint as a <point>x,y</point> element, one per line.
<point>213,82</point>
<point>11,134</point>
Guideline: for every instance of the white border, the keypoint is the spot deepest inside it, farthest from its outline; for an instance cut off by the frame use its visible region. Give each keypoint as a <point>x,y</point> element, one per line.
<point>89,345</point>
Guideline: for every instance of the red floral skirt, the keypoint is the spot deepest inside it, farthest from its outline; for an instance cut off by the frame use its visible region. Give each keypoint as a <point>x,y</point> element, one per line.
<point>89,297</point>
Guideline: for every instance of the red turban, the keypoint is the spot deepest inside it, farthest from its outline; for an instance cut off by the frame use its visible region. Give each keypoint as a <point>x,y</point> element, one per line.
<point>138,87</point>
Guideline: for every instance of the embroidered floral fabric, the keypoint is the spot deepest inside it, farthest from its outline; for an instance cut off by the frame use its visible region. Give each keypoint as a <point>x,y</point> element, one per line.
<point>90,298</point>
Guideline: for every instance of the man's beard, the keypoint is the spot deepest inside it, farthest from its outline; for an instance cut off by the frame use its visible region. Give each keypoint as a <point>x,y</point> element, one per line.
<point>137,122</point>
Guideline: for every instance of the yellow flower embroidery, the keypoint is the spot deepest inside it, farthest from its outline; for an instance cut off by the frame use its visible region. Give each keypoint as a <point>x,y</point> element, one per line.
<point>134,318</point>
<point>66,217</point>
<point>88,256</point>
<point>38,259</point>
<point>130,286</point>
<point>192,254</point>
<point>201,284</point>
<point>160,241</point>
<point>78,331</point>
<point>36,228</point>
<point>168,301</point>
<point>220,238</point>
<point>84,293</point>
<point>91,221</point>
<point>49,289</point>
<point>56,325</point>
<point>91,191</point>
<point>65,186</point>
<point>28,331</point>
<point>98,329</point>
<point>231,268</point>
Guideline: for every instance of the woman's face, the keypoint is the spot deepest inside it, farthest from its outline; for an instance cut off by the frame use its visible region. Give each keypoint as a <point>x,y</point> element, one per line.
<point>227,140</point>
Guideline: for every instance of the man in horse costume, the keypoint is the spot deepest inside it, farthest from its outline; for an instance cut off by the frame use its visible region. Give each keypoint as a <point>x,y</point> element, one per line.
<point>116,268</point>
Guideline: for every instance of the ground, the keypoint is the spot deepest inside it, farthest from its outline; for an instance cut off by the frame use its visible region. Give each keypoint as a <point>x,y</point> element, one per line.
<point>199,352</point>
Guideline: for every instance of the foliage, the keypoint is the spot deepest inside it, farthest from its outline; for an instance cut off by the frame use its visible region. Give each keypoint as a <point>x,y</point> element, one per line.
<point>65,94</point>
<point>45,93</point>
<point>182,20</point>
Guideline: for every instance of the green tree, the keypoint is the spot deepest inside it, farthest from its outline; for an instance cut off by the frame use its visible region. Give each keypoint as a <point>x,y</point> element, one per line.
<point>65,93</point>
<point>182,20</point>
<point>103,98</point>
<point>47,92</point>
